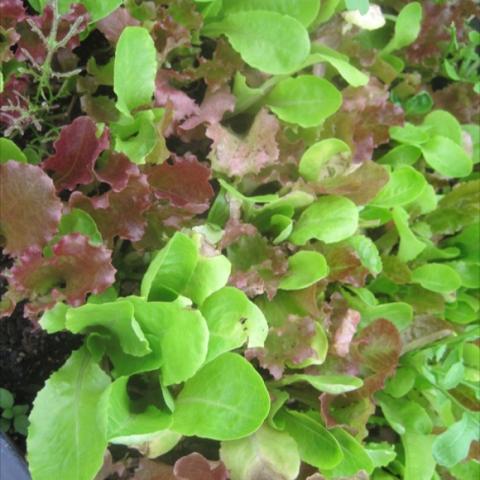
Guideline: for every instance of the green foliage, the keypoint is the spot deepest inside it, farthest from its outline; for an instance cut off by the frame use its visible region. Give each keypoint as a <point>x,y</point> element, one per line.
<point>262,230</point>
<point>407,27</point>
<point>134,69</point>
<point>206,408</point>
<point>66,412</point>
<point>330,219</point>
<point>305,100</point>
<point>13,417</point>
<point>266,40</point>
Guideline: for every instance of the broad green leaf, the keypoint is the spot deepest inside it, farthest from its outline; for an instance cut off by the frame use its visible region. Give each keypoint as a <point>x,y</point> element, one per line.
<point>305,11</point>
<point>317,446</point>
<point>316,160</point>
<point>407,27</point>
<point>81,222</point>
<point>405,185</point>
<point>405,416</point>
<point>330,219</point>
<point>410,134</point>
<point>401,155</point>
<point>399,313</point>
<point>171,269</point>
<point>53,320</point>
<point>65,438</point>
<point>138,136</point>
<point>304,269</point>
<point>10,151</point>
<point>182,338</point>
<point>452,446</point>
<point>225,400</point>
<point>466,470</point>
<point>210,274</point>
<point>446,157</point>
<point>268,41</point>
<point>355,457</point>
<point>231,319</point>
<point>6,399</point>
<point>266,452</point>
<point>121,421</point>
<point>115,317</point>
<point>410,246</point>
<point>321,53</point>
<point>381,454</point>
<point>333,384</point>
<point>305,100</point>
<point>403,381</point>
<point>444,124</point>
<point>286,206</point>
<point>327,10</point>
<point>419,463</point>
<point>419,104</point>
<point>437,277</point>
<point>135,69</point>
<point>368,253</point>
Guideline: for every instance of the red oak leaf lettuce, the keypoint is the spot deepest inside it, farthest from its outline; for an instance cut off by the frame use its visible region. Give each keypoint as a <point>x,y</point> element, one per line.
<point>116,170</point>
<point>75,269</point>
<point>365,118</point>
<point>11,12</point>
<point>30,210</point>
<point>287,343</point>
<point>118,213</point>
<point>237,156</point>
<point>76,152</point>
<point>184,183</point>
<point>197,467</point>
<point>112,25</point>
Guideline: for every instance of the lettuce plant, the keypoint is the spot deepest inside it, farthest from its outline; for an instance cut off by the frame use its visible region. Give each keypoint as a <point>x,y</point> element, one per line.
<point>261,218</point>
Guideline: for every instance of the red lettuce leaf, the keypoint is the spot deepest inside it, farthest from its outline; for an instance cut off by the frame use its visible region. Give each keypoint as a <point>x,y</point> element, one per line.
<point>238,156</point>
<point>376,350</point>
<point>11,12</point>
<point>218,70</point>
<point>167,96</point>
<point>116,171</point>
<point>347,411</point>
<point>76,152</point>
<point>30,210</point>
<point>75,269</point>
<point>185,183</point>
<point>345,265</point>
<point>365,118</point>
<point>344,332</point>
<point>212,109</point>
<point>257,267</point>
<point>112,26</point>
<point>361,186</point>
<point>31,46</point>
<point>118,213</point>
<point>287,343</point>
<point>197,467</point>
<point>174,26</point>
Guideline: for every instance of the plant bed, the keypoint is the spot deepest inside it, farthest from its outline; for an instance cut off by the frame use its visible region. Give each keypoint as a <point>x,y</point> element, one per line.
<point>240,239</point>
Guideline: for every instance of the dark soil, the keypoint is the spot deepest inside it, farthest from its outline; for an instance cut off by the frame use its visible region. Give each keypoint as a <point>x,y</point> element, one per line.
<point>28,355</point>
